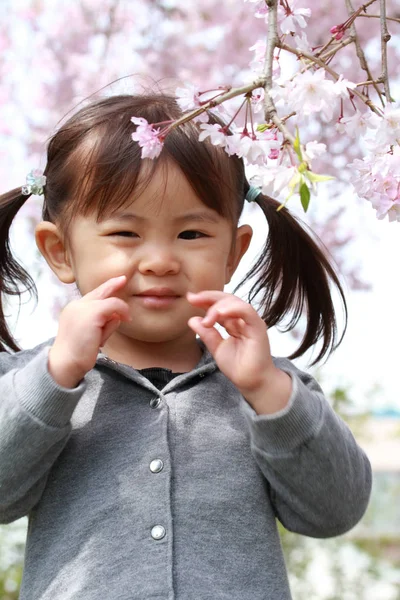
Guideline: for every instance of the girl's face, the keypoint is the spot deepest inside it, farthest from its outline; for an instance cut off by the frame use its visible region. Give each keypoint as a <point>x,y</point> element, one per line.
<point>167,243</point>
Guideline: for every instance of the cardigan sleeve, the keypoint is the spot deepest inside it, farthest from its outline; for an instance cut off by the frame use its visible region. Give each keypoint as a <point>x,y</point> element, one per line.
<point>319,478</point>
<point>35,415</point>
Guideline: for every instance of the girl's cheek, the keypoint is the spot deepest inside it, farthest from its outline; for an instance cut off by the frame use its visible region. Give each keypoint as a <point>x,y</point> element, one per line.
<point>119,265</point>
<point>118,260</point>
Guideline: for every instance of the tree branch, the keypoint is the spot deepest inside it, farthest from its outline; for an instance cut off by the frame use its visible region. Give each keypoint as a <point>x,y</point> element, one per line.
<point>272,41</point>
<point>360,51</point>
<point>378,17</point>
<point>271,113</point>
<point>385,37</point>
<point>328,69</point>
<point>232,93</point>
<point>365,83</point>
<point>342,44</point>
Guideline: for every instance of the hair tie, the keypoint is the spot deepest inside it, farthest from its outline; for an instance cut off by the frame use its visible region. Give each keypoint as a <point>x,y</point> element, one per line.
<point>35,182</point>
<point>252,194</point>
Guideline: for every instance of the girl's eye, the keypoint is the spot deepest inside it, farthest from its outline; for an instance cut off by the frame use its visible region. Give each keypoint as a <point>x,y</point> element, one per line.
<point>124,233</point>
<point>192,235</point>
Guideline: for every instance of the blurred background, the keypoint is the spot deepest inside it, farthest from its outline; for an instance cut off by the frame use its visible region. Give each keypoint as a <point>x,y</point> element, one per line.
<point>54,56</point>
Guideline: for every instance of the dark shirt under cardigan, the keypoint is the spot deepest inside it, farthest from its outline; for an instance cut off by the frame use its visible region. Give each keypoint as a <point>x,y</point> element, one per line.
<point>171,490</point>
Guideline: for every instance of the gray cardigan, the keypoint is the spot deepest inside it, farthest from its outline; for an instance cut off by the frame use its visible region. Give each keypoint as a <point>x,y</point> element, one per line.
<point>139,494</point>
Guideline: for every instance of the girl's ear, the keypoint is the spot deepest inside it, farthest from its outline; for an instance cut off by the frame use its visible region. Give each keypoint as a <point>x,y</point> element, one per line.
<point>244,233</point>
<point>51,245</point>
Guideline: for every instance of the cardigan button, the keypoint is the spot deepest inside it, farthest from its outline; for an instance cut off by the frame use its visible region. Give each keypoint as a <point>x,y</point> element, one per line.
<point>156,465</point>
<point>158,532</point>
<point>154,402</point>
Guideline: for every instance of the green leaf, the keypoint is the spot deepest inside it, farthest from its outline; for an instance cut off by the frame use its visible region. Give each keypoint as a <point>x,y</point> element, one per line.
<point>263,127</point>
<point>304,196</point>
<point>296,180</point>
<point>315,178</point>
<point>297,146</point>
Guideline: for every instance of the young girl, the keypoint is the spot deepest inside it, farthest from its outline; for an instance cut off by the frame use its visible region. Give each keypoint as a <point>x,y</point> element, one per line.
<point>151,455</point>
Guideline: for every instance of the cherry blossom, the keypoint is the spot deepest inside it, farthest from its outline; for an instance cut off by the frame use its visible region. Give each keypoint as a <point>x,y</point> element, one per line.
<point>233,144</point>
<point>293,18</point>
<point>147,137</point>
<point>356,126</point>
<point>282,94</point>
<point>214,132</point>
<point>257,64</point>
<point>275,180</point>
<point>201,118</point>
<point>301,42</point>
<point>342,87</point>
<point>289,17</point>
<point>378,181</point>
<point>313,93</point>
<point>387,128</point>
<point>256,150</point>
<point>362,182</point>
<point>314,149</point>
<point>188,97</point>
<point>388,185</point>
<point>274,154</point>
<point>337,31</point>
<point>257,101</point>
<point>261,11</point>
<point>385,206</point>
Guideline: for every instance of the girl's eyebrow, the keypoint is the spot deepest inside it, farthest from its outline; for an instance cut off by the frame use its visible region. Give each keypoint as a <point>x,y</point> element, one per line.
<point>192,216</point>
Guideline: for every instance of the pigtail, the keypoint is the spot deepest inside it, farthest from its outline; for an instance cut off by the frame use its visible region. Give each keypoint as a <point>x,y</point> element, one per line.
<point>11,272</point>
<point>294,276</point>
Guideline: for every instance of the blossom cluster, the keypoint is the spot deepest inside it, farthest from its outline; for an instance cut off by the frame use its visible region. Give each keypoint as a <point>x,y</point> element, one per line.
<point>312,92</point>
<point>289,16</point>
<point>278,164</point>
<point>148,138</point>
<point>279,170</point>
<point>377,177</point>
<point>245,142</point>
<point>259,144</point>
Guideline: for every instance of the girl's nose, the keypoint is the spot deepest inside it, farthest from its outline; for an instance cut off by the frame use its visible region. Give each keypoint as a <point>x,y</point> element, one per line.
<point>159,261</point>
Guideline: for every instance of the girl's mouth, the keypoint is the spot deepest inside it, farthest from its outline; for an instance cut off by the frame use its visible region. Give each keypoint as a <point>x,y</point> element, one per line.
<point>157,297</point>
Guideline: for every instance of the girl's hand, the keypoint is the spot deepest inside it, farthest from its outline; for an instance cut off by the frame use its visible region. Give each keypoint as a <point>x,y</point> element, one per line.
<point>84,326</point>
<point>245,356</point>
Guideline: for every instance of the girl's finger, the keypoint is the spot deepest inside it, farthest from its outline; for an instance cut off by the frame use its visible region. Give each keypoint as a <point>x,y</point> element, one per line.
<point>106,289</point>
<point>206,297</point>
<point>210,336</point>
<point>221,305</point>
<point>109,329</point>
<point>231,309</point>
<point>112,307</point>
<point>235,327</point>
